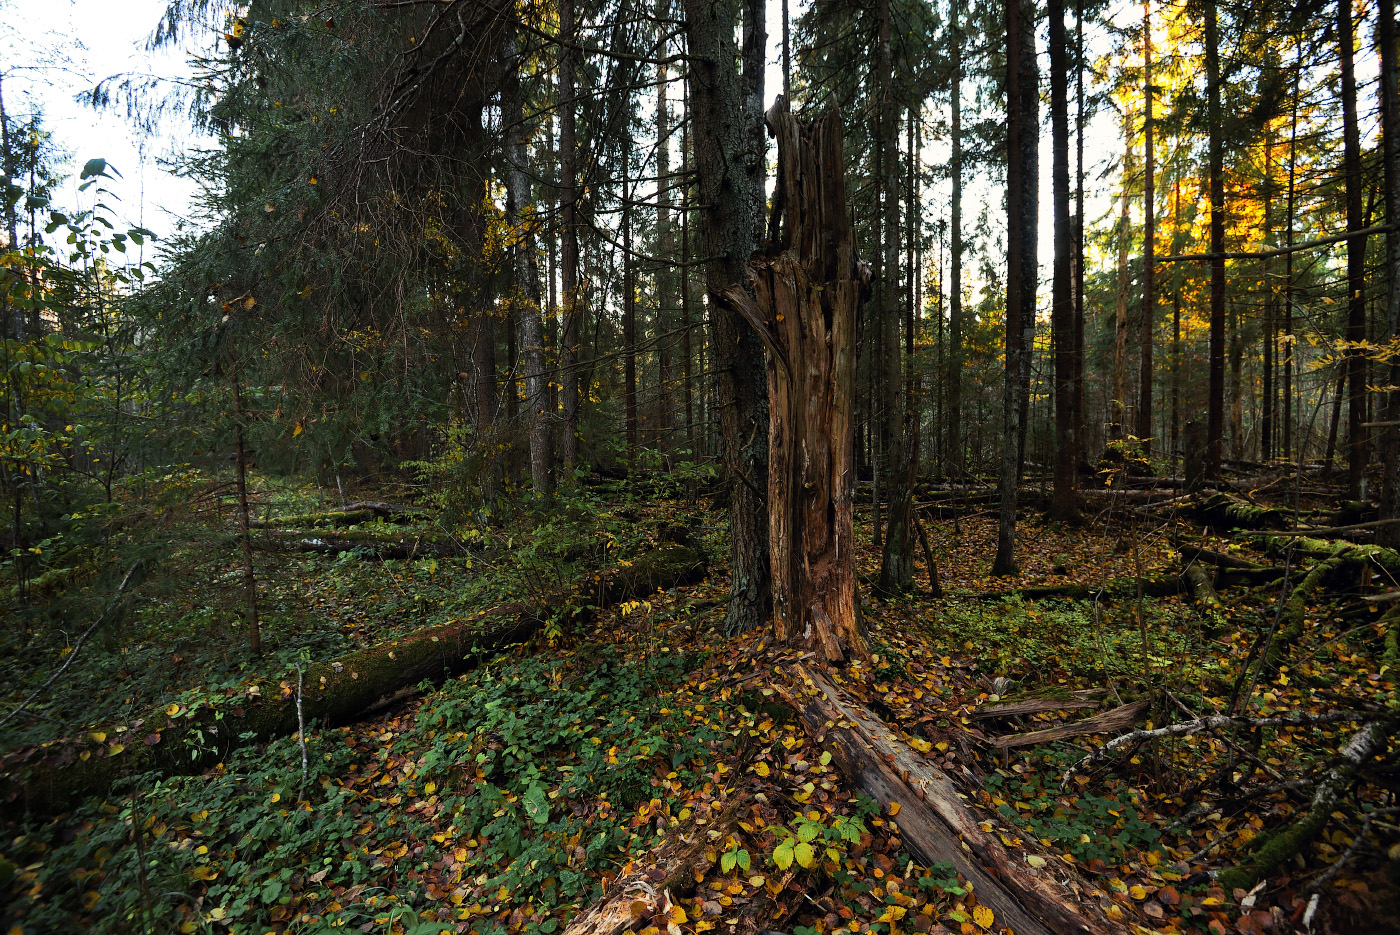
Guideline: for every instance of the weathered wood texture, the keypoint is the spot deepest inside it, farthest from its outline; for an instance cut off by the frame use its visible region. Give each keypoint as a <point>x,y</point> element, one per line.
<point>808,284</point>
<point>933,821</point>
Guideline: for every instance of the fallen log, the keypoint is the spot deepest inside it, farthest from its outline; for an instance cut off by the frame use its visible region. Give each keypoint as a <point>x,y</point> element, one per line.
<point>1113,588</point>
<point>1226,512</point>
<point>361,511</point>
<point>1116,719</point>
<point>640,894</point>
<point>933,822</point>
<point>1200,585</point>
<point>45,781</point>
<point>1078,699</point>
<point>366,541</point>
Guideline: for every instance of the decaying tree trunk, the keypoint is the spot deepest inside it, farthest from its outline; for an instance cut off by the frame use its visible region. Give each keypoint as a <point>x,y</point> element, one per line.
<point>808,285</point>
<point>45,781</point>
<point>934,822</point>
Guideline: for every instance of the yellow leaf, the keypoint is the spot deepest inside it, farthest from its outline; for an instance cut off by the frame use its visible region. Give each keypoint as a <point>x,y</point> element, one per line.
<point>276,797</point>
<point>98,735</point>
<point>894,809</point>
<point>296,431</point>
<point>1137,892</point>
<point>115,748</point>
<point>429,788</point>
<point>677,914</point>
<point>91,899</point>
<point>983,917</point>
<point>204,872</point>
<point>1036,862</point>
<point>942,746</point>
<point>172,709</point>
<point>918,743</point>
<point>756,880</point>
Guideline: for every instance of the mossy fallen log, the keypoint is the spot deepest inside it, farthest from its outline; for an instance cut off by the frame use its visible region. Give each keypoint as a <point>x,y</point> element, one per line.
<point>1268,852</point>
<point>1112,589</point>
<point>364,541</point>
<point>1226,512</point>
<point>361,511</point>
<point>49,779</point>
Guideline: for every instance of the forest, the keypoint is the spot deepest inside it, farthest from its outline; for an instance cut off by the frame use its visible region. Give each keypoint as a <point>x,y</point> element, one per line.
<point>602,466</point>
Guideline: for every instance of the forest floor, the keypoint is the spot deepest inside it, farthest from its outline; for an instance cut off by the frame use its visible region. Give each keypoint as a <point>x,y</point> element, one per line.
<point>509,798</point>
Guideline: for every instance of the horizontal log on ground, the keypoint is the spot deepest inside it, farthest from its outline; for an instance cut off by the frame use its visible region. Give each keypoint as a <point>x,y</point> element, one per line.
<point>361,511</point>
<point>1088,698</point>
<point>934,823</point>
<point>1218,559</point>
<point>1117,719</point>
<point>1112,589</point>
<point>47,780</point>
<point>1226,512</point>
<point>640,894</point>
<point>365,541</point>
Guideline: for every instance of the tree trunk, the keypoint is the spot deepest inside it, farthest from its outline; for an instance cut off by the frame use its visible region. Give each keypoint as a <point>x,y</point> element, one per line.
<point>1022,127</point>
<point>568,247</point>
<point>1390,131</point>
<point>1215,410</point>
<point>1077,332</point>
<point>629,328</point>
<point>527,279</point>
<point>1266,429</point>
<point>1062,301</point>
<point>665,272</point>
<point>1120,307</point>
<point>809,285</point>
<point>240,476</point>
<point>953,376</point>
<point>1149,234</point>
<point>730,190</point>
<point>1356,258</point>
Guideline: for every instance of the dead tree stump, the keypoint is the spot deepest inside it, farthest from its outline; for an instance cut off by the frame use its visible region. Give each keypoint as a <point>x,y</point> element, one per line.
<point>808,283</point>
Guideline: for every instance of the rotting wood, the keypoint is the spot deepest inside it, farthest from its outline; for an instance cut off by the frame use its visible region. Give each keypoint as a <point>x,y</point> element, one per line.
<point>808,284</point>
<point>370,542</point>
<point>1115,719</point>
<point>638,895</point>
<point>45,781</point>
<point>934,823</point>
<point>1079,699</point>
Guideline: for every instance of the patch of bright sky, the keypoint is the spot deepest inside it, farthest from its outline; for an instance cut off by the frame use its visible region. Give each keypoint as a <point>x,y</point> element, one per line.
<point>53,50</point>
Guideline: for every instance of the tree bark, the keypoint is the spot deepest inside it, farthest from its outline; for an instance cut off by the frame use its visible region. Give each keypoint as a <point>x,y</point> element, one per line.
<point>1390,132</point>
<point>1120,307</point>
<point>1215,408</point>
<point>527,282</point>
<point>1022,128</point>
<point>1356,258</point>
<point>808,285</point>
<point>568,247</point>
<point>953,377</point>
<point>240,475</point>
<point>1149,234</point>
<point>729,176</point>
<point>1062,301</point>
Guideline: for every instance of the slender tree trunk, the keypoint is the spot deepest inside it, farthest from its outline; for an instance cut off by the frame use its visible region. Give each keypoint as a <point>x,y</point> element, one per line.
<point>629,331</point>
<point>687,348</point>
<point>1215,413</point>
<point>1062,300</point>
<point>527,278</point>
<point>1176,320</point>
<point>1020,270</point>
<point>730,182</point>
<point>665,276</point>
<point>1390,131</point>
<point>1077,332</point>
<point>568,249</point>
<point>953,378</point>
<point>1030,211</point>
<point>240,477</point>
<point>1288,266</point>
<point>1356,258</point>
<point>1149,234</point>
<point>1120,307</point>
<point>1266,430</point>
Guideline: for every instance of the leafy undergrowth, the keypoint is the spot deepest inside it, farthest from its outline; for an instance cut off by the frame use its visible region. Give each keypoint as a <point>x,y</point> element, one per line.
<point>184,638</point>
<point>509,799</point>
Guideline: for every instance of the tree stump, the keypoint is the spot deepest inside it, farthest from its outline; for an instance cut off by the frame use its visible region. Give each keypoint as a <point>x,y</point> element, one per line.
<point>808,283</point>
